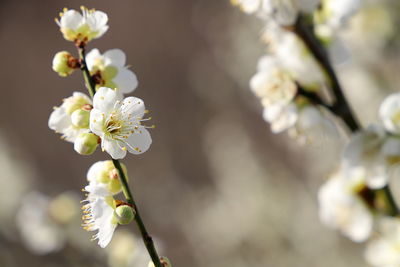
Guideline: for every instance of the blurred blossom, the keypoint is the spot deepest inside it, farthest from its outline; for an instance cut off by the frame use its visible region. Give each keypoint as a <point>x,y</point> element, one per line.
<point>126,250</point>
<point>383,249</point>
<point>40,233</point>
<point>342,207</point>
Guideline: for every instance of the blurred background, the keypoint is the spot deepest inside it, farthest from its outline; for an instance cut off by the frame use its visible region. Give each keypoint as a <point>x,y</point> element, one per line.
<point>216,188</point>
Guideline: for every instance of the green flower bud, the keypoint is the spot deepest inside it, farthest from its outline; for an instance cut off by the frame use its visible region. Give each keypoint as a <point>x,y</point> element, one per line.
<point>86,143</point>
<point>125,214</point>
<point>80,118</point>
<point>164,261</point>
<point>64,63</point>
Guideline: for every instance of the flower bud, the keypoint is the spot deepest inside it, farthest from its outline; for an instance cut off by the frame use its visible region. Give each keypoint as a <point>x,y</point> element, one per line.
<point>80,118</point>
<point>64,63</point>
<point>86,143</point>
<point>125,214</point>
<point>164,261</point>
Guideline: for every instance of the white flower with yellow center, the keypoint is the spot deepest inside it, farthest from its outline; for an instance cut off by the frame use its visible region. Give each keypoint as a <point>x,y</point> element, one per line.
<point>109,70</point>
<point>104,173</point>
<point>119,123</point>
<point>389,112</point>
<point>102,213</point>
<point>77,27</point>
<point>342,207</point>
<point>72,117</point>
<point>99,213</point>
<point>384,249</point>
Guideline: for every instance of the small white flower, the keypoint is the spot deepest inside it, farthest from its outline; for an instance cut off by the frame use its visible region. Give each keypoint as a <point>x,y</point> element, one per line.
<point>119,123</point>
<point>109,70</point>
<point>272,84</point>
<point>338,12</point>
<point>83,27</point>
<point>341,206</point>
<point>99,213</point>
<point>384,250</point>
<point>281,117</point>
<point>104,173</point>
<point>389,112</point>
<point>375,153</point>
<point>284,12</point>
<point>63,119</point>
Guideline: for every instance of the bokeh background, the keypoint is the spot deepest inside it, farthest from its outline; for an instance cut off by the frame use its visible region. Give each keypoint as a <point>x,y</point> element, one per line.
<point>216,188</point>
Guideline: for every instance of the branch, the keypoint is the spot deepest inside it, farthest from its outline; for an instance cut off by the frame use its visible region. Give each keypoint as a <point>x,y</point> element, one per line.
<point>147,239</point>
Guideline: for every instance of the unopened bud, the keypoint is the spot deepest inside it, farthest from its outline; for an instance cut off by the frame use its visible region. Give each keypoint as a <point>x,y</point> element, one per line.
<point>125,214</point>
<point>164,261</point>
<point>80,118</point>
<point>86,143</point>
<point>64,63</point>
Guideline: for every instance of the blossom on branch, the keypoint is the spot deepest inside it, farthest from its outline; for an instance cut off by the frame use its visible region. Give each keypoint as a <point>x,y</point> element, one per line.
<point>72,117</point>
<point>119,123</point>
<point>109,70</point>
<point>82,28</point>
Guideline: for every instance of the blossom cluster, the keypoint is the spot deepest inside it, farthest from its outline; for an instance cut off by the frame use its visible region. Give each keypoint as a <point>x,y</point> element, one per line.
<point>106,118</point>
<point>292,83</point>
<point>289,77</point>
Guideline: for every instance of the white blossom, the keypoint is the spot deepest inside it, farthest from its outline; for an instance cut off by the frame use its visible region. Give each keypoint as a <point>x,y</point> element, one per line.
<point>109,70</point>
<point>338,12</point>
<point>281,117</point>
<point>374,153</point>
<point>62,118</point>
<point>389,112</point>
<point>99,213</point>
<point>342,208</point>
<point>284,12</point>
<point>383,250</point>
<point>104,173</point>
<point>83,27</point>
<point>119,123</point>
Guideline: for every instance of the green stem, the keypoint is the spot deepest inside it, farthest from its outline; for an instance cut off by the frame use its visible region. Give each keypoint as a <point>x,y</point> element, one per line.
<point>147,239</point>
<point>393,210</point>
<point>341,107</point>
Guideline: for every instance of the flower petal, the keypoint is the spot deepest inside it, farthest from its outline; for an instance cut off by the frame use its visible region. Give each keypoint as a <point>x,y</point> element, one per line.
<point>114,57</point>
<point>105,99</point>
<point>139,142</point>
<point>59,120</point>
<point>92,57</point>
<point>133,107</point>
<point>126,80</point>
<point>71,19</point>
<point>97,122</point>
<point>114,149</point>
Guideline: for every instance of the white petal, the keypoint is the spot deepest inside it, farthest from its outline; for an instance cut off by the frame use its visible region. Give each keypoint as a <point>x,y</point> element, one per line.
<point>97,189</point>
<point>106,231</point>
<point>126,80</point>
<point>71,19</point>
<point>104,99</point>
<point>114,149</point>
<point>97,122</point>
<point>133,107</point>
<point>114,57</point>
<point>92,57</point>
<point>139,142</point>
<point>59,120</point>
<point>97,20</point>
<point>94,171</point>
